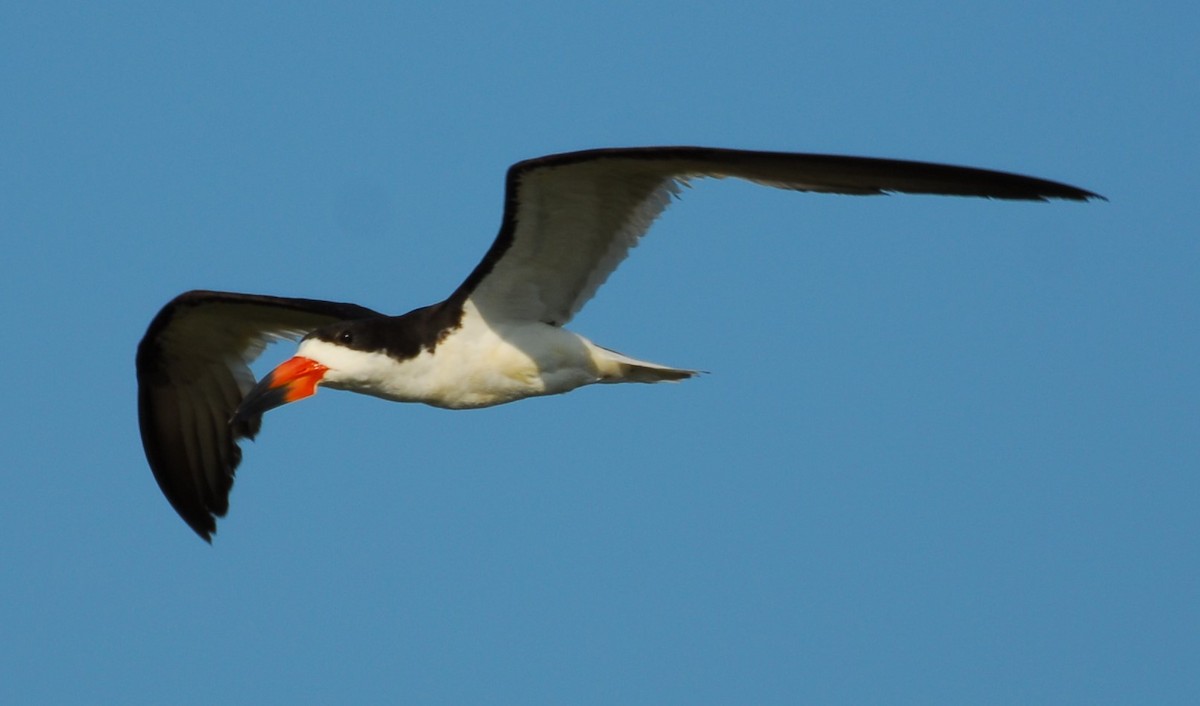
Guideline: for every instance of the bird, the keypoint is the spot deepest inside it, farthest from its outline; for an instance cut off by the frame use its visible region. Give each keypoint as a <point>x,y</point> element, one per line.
<point>569,220</point>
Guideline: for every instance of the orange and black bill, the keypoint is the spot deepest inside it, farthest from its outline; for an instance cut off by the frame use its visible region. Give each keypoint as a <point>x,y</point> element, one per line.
<point>293,380</point>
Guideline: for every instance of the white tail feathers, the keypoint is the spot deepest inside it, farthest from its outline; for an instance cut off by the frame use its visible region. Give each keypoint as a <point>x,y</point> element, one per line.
<point>615,367</point>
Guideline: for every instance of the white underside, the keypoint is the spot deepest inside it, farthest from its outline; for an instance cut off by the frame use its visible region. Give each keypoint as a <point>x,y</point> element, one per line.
<point>484,363</point>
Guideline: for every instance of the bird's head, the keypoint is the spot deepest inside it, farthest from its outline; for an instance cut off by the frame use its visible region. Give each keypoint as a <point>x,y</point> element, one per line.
<point>337,356</point>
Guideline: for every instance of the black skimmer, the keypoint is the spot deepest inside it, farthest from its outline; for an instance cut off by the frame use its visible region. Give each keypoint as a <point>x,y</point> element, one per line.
<point>569,220</point>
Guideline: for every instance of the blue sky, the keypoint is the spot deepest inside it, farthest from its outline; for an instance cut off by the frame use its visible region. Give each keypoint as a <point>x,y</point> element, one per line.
<point>947,451</point>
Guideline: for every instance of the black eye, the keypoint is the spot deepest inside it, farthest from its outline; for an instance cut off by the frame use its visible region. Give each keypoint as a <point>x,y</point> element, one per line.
<point>345,337</point>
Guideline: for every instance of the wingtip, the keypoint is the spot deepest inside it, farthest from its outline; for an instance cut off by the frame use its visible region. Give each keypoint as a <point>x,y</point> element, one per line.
<point>1074,193</point>
<point>204,527</point>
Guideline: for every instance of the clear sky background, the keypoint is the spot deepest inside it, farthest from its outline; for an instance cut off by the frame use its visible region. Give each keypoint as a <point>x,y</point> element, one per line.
<point>948,452</point>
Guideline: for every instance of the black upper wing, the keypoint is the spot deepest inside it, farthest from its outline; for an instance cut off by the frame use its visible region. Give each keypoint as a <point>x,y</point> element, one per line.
<point>193,370</point>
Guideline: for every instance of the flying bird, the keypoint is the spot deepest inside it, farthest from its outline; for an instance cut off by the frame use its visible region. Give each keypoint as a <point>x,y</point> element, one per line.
<point>569,220</point>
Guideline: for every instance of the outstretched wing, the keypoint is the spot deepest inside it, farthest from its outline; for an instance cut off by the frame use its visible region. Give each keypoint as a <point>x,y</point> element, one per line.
<point>193,370</point>
<point>570,219</point>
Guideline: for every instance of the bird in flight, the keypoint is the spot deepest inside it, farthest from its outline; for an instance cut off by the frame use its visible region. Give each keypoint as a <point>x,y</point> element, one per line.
<point>569,220</point>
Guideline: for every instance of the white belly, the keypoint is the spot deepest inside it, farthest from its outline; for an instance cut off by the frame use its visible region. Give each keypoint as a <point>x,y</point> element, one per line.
<point>478,366</point>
